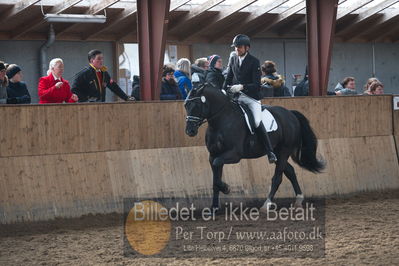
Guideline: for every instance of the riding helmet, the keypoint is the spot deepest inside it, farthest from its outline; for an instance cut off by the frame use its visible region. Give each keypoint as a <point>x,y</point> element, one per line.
<point>241,39</point>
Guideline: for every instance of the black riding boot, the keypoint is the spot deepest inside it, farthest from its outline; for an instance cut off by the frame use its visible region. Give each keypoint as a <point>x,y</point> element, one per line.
<point>262,133</point>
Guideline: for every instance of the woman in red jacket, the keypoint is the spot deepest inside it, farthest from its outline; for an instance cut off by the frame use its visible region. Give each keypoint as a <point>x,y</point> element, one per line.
<point>53,88</point>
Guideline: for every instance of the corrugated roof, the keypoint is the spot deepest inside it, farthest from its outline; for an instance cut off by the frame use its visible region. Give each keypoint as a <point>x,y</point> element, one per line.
<point>200,20</point>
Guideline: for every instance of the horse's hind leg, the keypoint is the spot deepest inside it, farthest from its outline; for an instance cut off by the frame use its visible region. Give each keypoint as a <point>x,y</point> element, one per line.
<point>290,174</point>
<point>276,180</point>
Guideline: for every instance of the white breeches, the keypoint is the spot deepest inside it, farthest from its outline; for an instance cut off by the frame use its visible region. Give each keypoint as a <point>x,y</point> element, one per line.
<point>255,107</point>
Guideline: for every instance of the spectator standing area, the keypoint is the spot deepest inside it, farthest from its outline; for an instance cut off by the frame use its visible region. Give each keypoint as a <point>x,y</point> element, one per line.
<point>72,160</point>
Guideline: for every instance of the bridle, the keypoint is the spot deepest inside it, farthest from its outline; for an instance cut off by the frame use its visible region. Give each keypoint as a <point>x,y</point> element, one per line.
<point>198,121</point>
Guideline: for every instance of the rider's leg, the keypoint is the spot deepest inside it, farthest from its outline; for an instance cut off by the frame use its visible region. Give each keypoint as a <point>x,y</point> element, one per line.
<point>256,109</point>
<point>261,131</point>
<point>254,105</point>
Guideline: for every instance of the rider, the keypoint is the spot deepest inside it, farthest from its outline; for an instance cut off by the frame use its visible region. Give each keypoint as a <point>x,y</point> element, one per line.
<point>244,75</point>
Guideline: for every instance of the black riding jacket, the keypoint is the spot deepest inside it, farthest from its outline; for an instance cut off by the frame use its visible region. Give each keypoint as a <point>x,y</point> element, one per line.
<point>248,75</point>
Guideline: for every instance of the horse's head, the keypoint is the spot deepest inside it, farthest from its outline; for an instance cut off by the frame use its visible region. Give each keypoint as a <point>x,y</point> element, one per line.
<point>197,108</point>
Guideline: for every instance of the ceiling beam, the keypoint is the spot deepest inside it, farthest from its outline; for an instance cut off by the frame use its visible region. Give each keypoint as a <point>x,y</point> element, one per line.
<point>17,8</point>
<point>123,16</point>
<point>173,6</point>
<point>382,35</point>
<point>248,22</point>
<point>384,19</point>
<point>94,9</point>
<point>220,18</point>
<point>100,6</point>
<point>188,19</point>
<point>291,26</point>
<point>364,16</point>
<point>177,3</point>
<point>262,27</point>
<point>342,12</point>
<point>118,18</point>
<point>58,8</point>
<point>375,9</point>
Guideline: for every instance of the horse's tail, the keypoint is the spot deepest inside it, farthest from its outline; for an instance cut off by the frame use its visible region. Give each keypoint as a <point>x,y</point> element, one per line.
<point>305,156</point>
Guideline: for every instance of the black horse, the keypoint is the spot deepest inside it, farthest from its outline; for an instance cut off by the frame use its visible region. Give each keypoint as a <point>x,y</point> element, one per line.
<point>228,139</point>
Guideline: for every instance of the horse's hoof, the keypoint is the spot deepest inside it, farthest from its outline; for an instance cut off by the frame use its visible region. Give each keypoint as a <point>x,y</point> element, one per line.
<point>298,201</point>
<point>266,206</point>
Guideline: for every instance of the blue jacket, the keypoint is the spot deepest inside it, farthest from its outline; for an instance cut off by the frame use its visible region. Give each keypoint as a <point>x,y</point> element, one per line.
<point>184,83</point>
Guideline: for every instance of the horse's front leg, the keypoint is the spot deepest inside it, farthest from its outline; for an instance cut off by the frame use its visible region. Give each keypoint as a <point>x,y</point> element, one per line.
<point>217,172</point>
<point>217,164</point>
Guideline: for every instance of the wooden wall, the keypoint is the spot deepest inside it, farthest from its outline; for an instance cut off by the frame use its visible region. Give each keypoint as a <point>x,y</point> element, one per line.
<point>71,128</point>
<point>71,160</point>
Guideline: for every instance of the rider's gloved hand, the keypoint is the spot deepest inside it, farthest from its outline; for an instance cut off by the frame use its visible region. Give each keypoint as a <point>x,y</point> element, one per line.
<point>236,88</point>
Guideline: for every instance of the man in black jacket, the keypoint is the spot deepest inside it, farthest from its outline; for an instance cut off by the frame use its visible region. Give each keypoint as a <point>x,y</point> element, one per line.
<point>244,76</point>
<point>91,82</point>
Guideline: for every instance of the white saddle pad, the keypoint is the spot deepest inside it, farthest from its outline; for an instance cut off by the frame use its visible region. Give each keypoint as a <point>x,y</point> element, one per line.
<point>267,119</point>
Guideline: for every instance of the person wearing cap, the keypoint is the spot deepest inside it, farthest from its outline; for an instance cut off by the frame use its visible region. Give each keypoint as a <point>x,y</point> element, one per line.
<point>16,91</point>
<point>243,75</point>
<point>54,88</point>
<point>214,75</point>
<point>91,82</point>
<point>169,89</point>
<point>3,83</point>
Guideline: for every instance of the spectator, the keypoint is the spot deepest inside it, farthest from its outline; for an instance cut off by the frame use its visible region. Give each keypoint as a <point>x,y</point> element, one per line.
<point>369,81</point>
<point>169,90</point>
<point>136,88</point>
<point>182,75</point>
<point>16,91</point>
<point>272,80</point>
<point>302,89</point>
<point>346,87</point>
<point>54,88</point>
<point>375,88</point>
<point>3,83</point>
<point>198,72</point>
<point>91,82</point>
<point>214,74</point>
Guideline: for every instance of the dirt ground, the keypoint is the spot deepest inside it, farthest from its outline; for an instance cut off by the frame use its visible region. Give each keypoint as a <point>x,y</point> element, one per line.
<point>360,229</point>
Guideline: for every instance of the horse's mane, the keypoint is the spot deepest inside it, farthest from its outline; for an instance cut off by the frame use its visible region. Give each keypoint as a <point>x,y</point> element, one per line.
<point>209,88</point>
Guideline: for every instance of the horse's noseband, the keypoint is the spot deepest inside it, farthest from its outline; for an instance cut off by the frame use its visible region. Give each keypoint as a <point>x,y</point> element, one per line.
<point>195,119</point>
